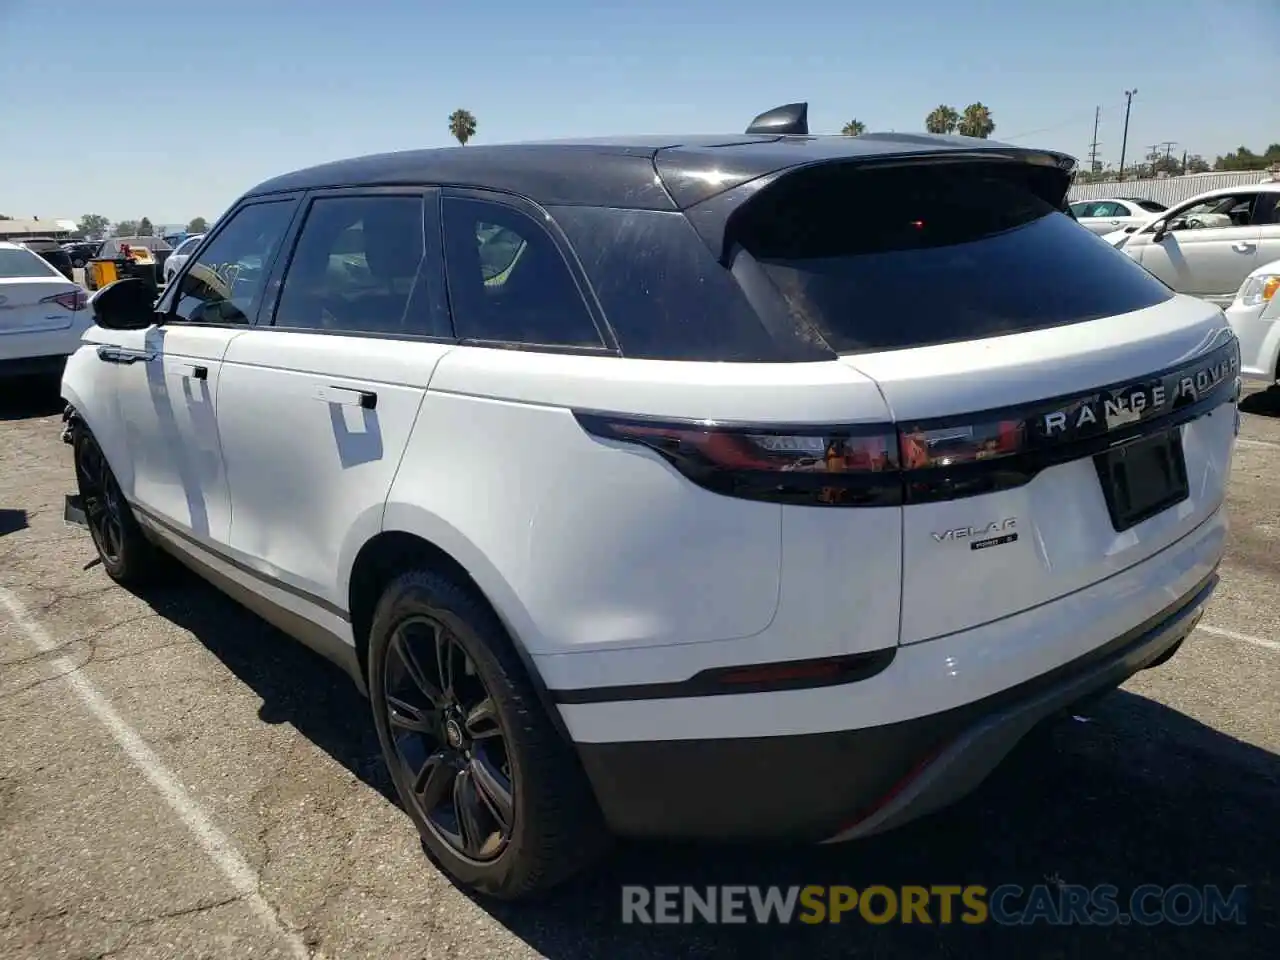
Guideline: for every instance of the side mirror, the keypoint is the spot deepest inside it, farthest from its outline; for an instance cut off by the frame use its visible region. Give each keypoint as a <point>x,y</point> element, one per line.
<point>125,304</point>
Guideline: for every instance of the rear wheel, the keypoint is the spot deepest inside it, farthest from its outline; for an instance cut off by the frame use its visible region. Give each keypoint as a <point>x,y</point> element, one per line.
<point>126,554</point>
<point>494,790</point>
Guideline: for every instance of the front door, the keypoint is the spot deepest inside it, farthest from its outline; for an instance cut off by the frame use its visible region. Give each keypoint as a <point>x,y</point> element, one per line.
<point>1211,248</point>
<point>169,376</point>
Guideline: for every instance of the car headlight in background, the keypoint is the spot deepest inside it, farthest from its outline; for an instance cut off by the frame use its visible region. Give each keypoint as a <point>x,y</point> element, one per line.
<point>1258,290</point>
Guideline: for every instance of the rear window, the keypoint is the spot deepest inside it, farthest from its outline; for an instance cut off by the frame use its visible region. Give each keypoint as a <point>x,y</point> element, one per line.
<point>17,264</point>
<point>920,255</point>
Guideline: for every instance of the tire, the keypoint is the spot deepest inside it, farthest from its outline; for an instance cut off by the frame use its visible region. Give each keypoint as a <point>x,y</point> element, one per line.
<point>554,829</point>
<point>128,557</point>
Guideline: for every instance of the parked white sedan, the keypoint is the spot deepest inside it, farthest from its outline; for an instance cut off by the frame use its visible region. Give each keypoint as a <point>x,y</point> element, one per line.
<point>1255,317</point>
<point>1105,216</point>
<point>42,313</point>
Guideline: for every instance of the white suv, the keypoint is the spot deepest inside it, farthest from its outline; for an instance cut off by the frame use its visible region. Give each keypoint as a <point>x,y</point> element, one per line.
<point>763,486</point>
<point>1208,245</point>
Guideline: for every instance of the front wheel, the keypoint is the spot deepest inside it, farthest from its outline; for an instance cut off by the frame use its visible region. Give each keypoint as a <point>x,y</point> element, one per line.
<point>126,554</point>
<point>495,792</point>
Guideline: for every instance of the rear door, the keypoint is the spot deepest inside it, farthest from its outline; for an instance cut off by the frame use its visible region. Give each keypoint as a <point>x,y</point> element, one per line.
<point>316,406</point>
<point>1012,351</point>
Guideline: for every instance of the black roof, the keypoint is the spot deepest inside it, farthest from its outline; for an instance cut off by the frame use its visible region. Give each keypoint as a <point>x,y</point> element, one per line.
<point>655,173</point>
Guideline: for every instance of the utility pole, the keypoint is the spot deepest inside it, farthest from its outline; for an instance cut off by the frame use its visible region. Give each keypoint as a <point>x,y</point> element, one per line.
<point>1129,95</point>
<point>1153,154</point>
<point>1184,163</point>
<point>1168,146</point>
<point>1094,165</point>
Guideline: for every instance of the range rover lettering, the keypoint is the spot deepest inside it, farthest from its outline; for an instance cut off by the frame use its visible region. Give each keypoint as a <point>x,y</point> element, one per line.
<point>623,475</point>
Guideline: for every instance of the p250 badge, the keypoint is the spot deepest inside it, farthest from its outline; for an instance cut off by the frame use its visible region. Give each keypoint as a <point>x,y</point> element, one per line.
<point>994,534</point>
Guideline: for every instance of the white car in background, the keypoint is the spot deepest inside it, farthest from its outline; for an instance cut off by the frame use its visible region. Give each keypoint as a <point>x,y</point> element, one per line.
<point>179,256</point>
<point>1208,245</point>
<point>1109,215</point>
<point>1255,317</point>
<point>42,313</point>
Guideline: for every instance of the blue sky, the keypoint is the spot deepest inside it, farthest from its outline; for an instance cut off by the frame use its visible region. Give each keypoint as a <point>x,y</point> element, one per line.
<point>172,109</point>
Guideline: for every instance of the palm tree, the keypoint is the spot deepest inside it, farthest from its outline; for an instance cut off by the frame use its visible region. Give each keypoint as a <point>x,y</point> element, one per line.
<point>854,128</point>
<point>977,121</point>
<point>942,119</point>
<point>462,124</point>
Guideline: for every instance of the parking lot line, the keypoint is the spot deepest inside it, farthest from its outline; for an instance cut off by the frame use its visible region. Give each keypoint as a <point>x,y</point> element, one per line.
<point>1262,444</point>
<point>216,845</point>
<point>1242,637</point>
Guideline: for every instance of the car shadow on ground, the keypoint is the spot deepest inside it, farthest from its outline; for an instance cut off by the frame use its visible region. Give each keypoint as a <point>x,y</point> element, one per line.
<point>11,521</point>
<point>1135,793</point>
<point>1264,403</point>
<point>26,398</point>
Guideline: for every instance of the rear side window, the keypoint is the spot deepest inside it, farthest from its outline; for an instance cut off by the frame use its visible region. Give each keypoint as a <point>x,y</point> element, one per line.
<point>663,292</point>
<point>882,260</point>
<point>1151,206</point>
<point>19,264</point>
<point>357,267</point>
<point>508,282</point>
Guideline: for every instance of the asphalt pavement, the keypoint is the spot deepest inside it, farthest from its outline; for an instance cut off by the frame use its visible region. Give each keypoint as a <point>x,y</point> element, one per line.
<point>179,780</point>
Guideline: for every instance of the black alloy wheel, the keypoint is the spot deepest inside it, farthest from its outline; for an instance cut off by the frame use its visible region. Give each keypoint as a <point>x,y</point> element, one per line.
<point>102,500</point>
<point>496,791</point>
<point>448,739</point>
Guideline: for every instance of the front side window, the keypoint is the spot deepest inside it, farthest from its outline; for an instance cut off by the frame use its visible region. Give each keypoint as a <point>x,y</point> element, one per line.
<point>224,284</point>
<point>1216,213</point>
<point>508,282</point>
<point>357,267</point>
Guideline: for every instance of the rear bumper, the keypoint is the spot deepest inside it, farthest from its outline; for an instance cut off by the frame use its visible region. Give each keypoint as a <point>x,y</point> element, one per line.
<point>841,785</point>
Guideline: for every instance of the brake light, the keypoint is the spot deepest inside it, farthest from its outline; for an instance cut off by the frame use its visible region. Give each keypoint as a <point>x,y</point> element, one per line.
<point>832,466</point>
<point>73,300</point>
<point>933,460</point>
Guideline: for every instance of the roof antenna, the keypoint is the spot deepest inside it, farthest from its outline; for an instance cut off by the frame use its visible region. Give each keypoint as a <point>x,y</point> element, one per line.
<point>789,120</point>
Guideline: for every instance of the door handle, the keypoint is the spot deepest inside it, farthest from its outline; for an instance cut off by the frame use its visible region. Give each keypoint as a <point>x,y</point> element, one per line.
<point>121,355</point>
<point>349,396</point>
<point>1242,247</point>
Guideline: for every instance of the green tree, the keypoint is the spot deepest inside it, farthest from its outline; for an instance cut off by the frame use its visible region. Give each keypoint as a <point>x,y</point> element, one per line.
<point>5,216</point>
<point>93,224</point>
<point>126,228</point>
<point>462,124</point>
<point>942,119</point>
<point>198,225</point>
<point>1245,159</point>
<point>976,121</point>
<point>145,227</point>
<point>854,128</point>
<point>1196,164</point>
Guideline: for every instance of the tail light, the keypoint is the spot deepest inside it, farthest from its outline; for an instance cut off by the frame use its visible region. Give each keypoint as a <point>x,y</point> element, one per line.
<point>73,300</point>
<point>872,465</point>
<point>831,466</point>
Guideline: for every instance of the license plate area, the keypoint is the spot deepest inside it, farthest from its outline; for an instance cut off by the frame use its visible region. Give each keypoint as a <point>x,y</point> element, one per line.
<point>1143,478</point>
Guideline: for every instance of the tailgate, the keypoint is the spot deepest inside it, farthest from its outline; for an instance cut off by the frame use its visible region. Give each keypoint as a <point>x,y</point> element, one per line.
<point>1049,460</point>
